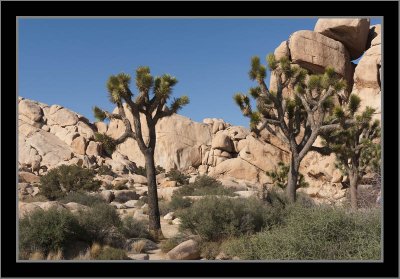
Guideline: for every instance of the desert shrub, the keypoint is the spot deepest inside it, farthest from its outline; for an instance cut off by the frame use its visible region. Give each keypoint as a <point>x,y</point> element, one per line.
<point>279,176</point>
<point>82,198</point>
<point>164,207</point>
<point>178,202</point>
<point>215,218</point>
<point>121,186</point>
<point>179,177</point>
<point>110,253</point>
<point>108,143</point>
<point>172,242</point>
<point>105,170</point>
<point>132,228</point>
<point>204,185</point>
<point>159,169</point>
<point>47,231</point>
<point>55,256</point>
<point>100,222</point>
<point>277,198</point>
<point>210,250</point>
<point>142,170</point>
<point>317,233</point>
<point>63,179</point>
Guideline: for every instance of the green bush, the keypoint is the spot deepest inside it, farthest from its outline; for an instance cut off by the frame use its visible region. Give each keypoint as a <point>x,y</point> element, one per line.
<point>178,202</point>
<point>132,228</point>
<point>204,185</point>
<point>48,230</point>
<point>100,222</point>
<point>215,218</point>
<point>63,179</point>
<point>121,185</point>
<point>142,171</point>
<point>105,170</point>
<point>82,198</point>
<point>210,250</point>
<point>179,177</point>
<point>315,233</point>
<point>110,253</point>
<point>108,143</point>
<point>279,176</point>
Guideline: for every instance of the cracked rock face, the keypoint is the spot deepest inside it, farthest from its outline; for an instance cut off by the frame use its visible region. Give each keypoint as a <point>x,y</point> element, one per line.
<point>351,32</point>
<point>315,52</point>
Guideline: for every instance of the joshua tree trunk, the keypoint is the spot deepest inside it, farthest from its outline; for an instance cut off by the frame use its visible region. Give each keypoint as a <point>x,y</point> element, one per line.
<point>353,177</point>
<point>292,179</point>
<point>154,213</point>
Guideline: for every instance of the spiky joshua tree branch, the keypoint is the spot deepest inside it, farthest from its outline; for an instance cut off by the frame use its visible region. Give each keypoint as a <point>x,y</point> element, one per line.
<point>296,119</point>
<point>151,99</point>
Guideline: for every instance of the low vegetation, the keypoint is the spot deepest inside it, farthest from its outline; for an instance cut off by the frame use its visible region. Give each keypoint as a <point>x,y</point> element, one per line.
<point>142,170</point>
<point>215,218</point>
<point>47,231</point>
<point>82,198</point>
<point>46,234</point>
<point>59,181</point>
<point>179,177</point>
<point>132,228</point>
<point>203,186</point>
<point>317,233</point>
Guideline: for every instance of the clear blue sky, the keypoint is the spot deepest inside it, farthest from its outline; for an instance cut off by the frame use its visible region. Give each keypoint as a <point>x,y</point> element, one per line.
<point>68,61</point>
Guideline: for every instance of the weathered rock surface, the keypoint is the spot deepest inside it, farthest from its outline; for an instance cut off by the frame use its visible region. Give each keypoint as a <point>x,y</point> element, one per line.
<point>263,156</point>
<point>315,52</point>
<point>187,250</point>
<point>282,50</point>
<point>78,145</point>
<point>236,168</point>
<point>352,32</point>
<point>62,117</point>
<point>30,109</point>
<point>49,147</point>
<point>178,142</point>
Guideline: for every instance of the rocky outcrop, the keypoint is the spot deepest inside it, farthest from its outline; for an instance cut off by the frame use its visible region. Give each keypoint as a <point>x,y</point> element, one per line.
<point>178,141</point>
<point>53,135</point>
<point>314,52</point>
<point>367,76</point>
<point>351,32</point>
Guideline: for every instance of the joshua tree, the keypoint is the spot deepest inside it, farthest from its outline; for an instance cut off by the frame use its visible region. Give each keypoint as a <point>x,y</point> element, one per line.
<point>296,120</point>
<point>154,107</point>
<point>354,147</point>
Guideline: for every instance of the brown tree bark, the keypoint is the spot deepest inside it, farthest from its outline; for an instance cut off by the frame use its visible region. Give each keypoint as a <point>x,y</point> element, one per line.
<point>292,179</point>
<point>154,212</point>
<point>353,177</point>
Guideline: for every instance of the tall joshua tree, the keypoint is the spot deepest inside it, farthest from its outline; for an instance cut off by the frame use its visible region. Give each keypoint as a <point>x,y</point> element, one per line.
<point>151,101</point>
<point>354,147</point>
<point>297,120</point>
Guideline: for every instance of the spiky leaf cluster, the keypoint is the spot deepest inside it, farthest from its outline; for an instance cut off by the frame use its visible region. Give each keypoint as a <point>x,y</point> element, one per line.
<point>160,87</point>
<point>108,143</point>
<point>279,176</point>
<point>355,147</point>
<point>99,114</point>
